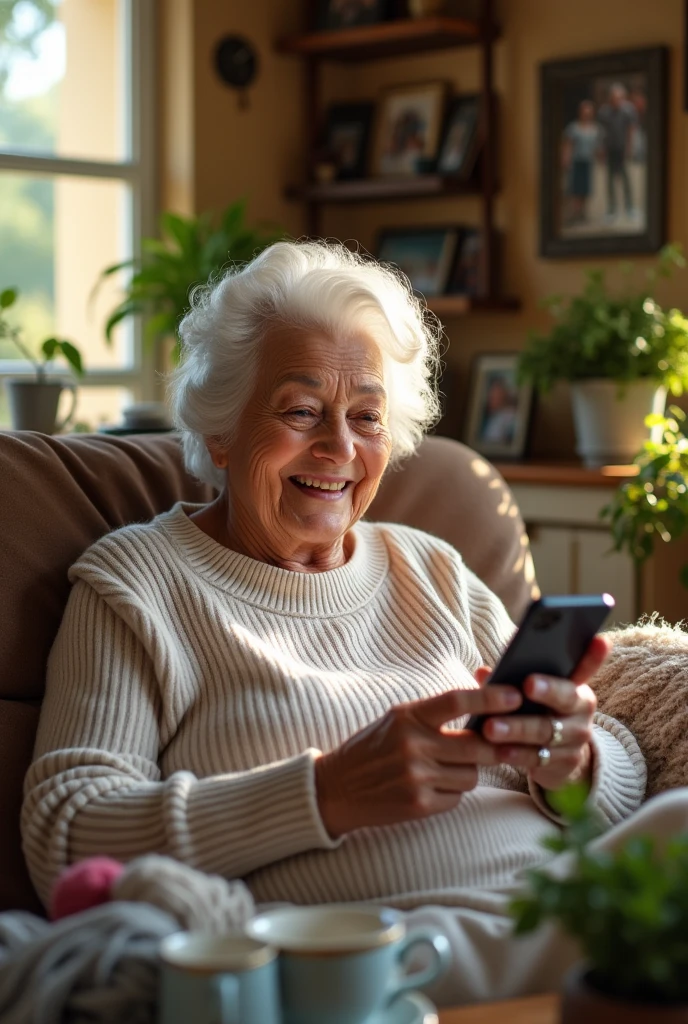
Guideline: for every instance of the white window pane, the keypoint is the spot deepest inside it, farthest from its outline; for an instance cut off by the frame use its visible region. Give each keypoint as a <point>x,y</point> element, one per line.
<point>95,407</point>
<point>61,81</point>
<point>56,236</point>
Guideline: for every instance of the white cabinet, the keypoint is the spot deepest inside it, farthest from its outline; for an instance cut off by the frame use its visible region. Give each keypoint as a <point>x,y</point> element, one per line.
<point>572,547</point>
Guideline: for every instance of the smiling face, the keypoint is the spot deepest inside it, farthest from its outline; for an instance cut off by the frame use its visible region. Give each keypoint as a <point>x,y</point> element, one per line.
<point>311,446</point>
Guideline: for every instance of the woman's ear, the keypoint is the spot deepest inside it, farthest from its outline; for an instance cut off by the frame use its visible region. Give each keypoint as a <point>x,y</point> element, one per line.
<point>217,449</point>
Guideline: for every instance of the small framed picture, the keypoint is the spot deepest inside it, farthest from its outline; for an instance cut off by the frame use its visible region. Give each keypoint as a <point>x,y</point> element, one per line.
<point>603,156</point>
<point>347,133</point>
<point>464,278</point>
<point>499,408</point>
<point>460,141</point>
<point>407,128</point>
<point>425,255</point>
<point>338,14</point>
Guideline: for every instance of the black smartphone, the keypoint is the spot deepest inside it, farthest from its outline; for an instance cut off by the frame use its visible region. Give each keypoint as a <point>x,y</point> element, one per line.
<point>553,637</point>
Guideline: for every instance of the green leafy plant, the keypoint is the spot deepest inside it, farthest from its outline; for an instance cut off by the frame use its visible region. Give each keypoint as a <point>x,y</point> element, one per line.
<point>190,251</point>
<point>619,337</point>
<point>50,348</point>
<point>654,504</point>
<point>627,909</point>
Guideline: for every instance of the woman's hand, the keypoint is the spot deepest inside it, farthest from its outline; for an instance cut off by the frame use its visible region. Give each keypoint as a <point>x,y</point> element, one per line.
<point>404,766</point>
<point>518,739</point>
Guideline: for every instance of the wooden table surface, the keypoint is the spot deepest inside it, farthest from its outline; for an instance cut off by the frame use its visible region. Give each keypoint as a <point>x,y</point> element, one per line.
<point>533,1010</point>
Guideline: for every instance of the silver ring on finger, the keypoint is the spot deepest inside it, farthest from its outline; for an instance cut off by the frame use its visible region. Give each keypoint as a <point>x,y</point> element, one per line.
<point>544,757</point>
<point>557,732</point>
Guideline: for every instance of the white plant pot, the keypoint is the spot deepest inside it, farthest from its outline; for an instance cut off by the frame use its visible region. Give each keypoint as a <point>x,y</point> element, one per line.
<point>609,418</point>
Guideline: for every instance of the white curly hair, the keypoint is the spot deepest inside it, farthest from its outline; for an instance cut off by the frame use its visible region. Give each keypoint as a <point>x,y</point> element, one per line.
<point>305,285</point>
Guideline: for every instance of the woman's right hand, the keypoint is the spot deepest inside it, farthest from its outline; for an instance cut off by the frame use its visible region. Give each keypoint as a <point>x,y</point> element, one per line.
<point>404,766</point>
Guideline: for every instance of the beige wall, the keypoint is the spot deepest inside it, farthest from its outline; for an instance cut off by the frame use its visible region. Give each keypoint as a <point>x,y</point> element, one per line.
<point>254,152</point>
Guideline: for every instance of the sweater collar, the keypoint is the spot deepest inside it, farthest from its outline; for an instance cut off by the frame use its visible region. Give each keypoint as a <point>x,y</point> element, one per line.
<point>320,594</point>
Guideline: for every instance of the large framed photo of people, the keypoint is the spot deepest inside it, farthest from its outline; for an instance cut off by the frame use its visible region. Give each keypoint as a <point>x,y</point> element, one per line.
<point>603,155</point>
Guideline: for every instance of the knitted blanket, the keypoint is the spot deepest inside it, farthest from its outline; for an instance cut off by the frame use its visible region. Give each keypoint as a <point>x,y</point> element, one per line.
<point>644,684</point>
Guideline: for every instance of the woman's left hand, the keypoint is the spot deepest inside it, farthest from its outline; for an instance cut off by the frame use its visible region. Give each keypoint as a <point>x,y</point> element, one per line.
<point>572,703</point>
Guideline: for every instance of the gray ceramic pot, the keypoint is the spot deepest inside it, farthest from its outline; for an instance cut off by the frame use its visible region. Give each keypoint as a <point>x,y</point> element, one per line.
<point>33,404</point>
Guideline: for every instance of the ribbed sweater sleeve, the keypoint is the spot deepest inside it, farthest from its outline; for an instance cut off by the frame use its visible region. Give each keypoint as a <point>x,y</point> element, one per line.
<point>95,785</point>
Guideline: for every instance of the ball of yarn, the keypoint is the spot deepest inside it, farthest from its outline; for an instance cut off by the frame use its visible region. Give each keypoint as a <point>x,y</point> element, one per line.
<point>88,883</point>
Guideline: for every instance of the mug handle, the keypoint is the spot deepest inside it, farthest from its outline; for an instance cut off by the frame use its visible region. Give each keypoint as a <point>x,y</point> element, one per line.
<point>227,991</point>
<point>441,958</point>
<point>66,419</point>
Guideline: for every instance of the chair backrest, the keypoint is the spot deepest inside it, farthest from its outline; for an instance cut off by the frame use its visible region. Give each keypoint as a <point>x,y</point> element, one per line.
<point>59,495</point>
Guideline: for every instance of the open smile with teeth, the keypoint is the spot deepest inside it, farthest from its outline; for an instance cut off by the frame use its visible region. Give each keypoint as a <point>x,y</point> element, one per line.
<point>321,485</point>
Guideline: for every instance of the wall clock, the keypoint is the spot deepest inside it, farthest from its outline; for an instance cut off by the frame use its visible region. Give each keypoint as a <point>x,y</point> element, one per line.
<point>236,62</point>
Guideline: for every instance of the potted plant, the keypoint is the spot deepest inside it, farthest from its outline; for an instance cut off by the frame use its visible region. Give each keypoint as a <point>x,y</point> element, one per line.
<point>621,352</point>
<point>190,251</point>
<point>654,504</point>
<point>628,910</point>
<point>33,402</point>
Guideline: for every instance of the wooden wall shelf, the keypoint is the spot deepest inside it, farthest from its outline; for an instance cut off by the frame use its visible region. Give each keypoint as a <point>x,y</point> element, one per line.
<point>389,39</point>
<point>372,189</point>
<point>460,305</point>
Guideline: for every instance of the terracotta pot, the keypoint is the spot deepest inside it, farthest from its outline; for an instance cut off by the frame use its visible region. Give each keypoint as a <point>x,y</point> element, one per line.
<point>582,1004</point>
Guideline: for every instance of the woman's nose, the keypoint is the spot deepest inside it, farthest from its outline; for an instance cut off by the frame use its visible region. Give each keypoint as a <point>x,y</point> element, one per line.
<point>335,442</point>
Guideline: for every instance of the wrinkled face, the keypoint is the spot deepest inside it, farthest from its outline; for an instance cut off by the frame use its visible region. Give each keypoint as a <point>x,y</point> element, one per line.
<point>312,442</point>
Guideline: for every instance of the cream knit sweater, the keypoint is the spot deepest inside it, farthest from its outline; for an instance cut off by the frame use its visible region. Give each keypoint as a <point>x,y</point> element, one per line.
<point>190,689</point>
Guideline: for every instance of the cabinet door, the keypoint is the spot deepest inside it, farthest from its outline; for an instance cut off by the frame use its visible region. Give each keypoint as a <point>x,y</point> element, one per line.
<point>601,570</point>
<point>552,548</point>
<point>578,561</point>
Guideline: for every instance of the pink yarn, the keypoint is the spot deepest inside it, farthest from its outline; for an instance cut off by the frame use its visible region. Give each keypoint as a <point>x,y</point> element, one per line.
<point>85,884</point>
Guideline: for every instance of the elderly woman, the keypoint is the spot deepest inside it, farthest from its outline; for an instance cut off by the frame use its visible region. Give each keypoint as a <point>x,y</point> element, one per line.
<point>264,687</point>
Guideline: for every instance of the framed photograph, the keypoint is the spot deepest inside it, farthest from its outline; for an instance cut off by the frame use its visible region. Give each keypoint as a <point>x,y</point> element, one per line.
<point>347,133</point>
<point>464,278</point>
<point>425,255</point>
<point>499,409</point>
<point>407,128</point>
<point>460,142</point>
<point>603,158</point>
<point>337,14</point>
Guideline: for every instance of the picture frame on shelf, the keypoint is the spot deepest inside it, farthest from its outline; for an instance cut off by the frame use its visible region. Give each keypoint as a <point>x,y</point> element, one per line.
<point>407,130</point>
<point>335,15</point>
<point>499,408</point>
<point>347,138</point>
<point>425,255</point>
<point>603,153</point>
<point>460,142</point>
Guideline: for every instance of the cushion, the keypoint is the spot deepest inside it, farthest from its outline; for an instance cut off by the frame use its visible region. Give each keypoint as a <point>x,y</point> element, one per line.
<point>58,495</point>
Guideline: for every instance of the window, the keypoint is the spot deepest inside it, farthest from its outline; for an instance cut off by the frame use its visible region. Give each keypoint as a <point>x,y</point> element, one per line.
<point>76,182</point>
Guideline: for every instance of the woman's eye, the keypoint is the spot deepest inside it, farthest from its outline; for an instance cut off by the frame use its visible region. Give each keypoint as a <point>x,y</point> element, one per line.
<point>302,414</point>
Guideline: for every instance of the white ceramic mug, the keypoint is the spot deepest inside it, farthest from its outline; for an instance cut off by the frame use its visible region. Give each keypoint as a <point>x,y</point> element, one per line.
<point>230,979</point>
<point>344,963</point>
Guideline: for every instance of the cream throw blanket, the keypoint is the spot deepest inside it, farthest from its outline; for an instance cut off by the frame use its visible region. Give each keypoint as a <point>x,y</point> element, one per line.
<point>644,684</point>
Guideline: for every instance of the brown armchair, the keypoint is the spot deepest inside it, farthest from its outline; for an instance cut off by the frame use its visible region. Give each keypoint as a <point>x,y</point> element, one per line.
<point>58,495</point>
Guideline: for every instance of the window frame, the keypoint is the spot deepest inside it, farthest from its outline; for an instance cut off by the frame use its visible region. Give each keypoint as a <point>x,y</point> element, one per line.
<point>138,171</point>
